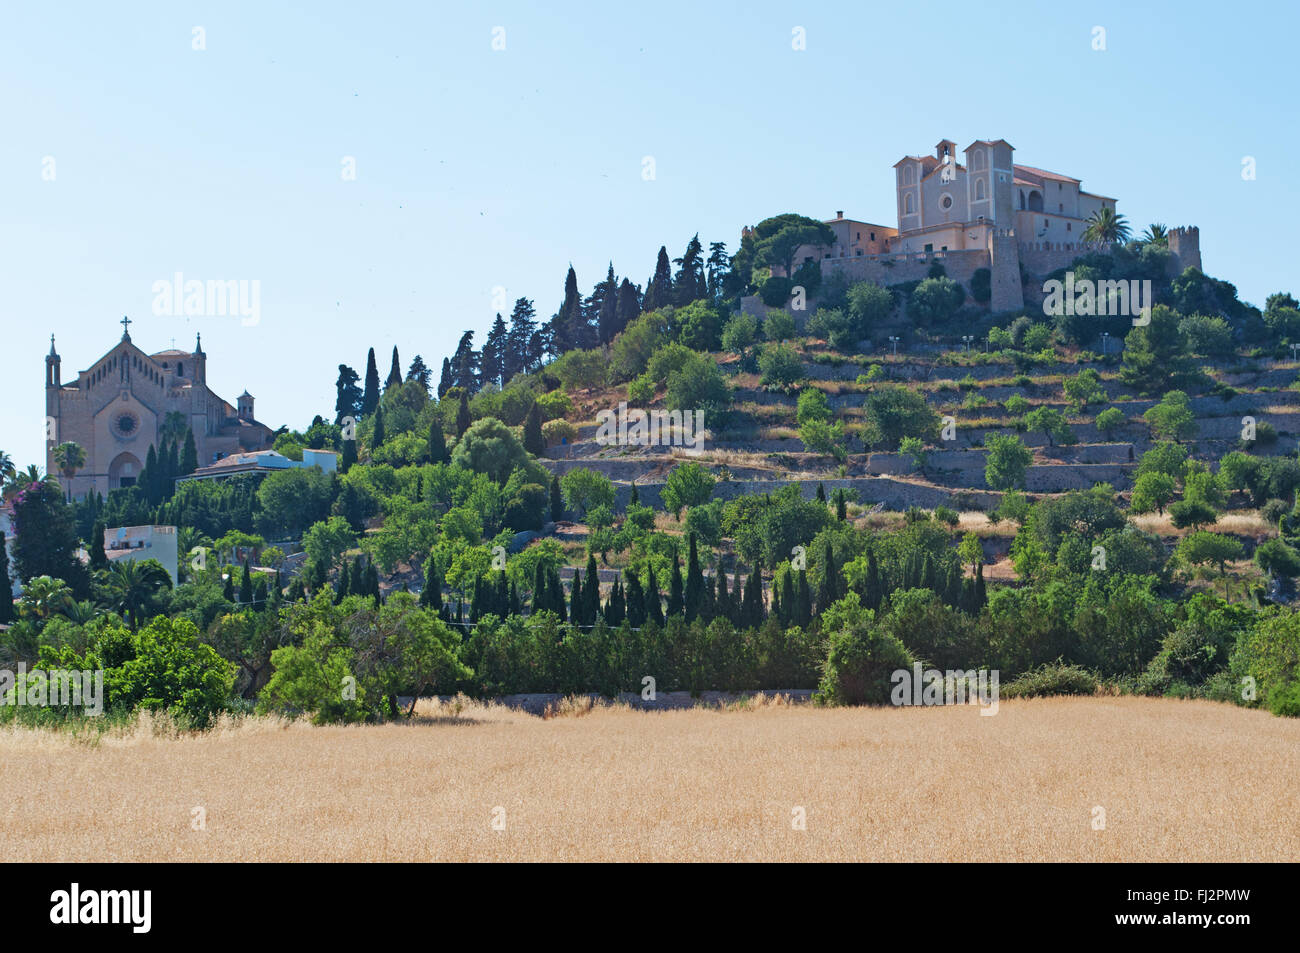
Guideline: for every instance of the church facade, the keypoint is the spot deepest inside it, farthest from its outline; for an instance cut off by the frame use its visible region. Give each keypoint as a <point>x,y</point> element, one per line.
<point>117,408</point>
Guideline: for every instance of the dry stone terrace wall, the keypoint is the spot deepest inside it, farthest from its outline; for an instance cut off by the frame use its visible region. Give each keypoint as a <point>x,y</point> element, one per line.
<point>894,494</point>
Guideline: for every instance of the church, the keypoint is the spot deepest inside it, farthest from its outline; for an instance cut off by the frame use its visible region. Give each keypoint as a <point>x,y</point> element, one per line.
<point>117,409</point>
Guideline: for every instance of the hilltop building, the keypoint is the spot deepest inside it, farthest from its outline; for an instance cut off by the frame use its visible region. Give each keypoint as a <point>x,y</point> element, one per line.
<point>984,211</point>
<point>116,409</point>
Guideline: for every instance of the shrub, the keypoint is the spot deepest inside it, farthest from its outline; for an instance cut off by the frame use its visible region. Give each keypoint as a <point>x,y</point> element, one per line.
<point>861,657</point>
<point>935,300</point>
<point>641,389</point>
<point>981,285</point>
<point>1055,678</point>
<point>1285,701</point>
<point>780,366</point>
<point>778,326</point>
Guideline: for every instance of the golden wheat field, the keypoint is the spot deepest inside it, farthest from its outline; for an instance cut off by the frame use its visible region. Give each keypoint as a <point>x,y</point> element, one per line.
<point>1176,781</point>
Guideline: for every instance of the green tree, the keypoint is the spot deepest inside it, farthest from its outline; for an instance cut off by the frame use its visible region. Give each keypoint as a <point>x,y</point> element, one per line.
<point>489,447</point>
<point>1205,548</point>
<point>584,489</point>
<point>688,484</point>
<point>1152,491</point>
<point>1007,461</point>
<point>1172,418</point>
<point>1051,422</point>
<point>1109,420</point>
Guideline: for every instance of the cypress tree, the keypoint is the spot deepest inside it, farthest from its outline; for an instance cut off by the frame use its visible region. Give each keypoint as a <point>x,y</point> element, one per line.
<point>372,583</point>
<point>541,594</point>
<point>676,602</point>
<point>370,397</point>
<point>502,602</point>
<point>789,609</point>
<point>981,596</point>
<point>615,608</point>
<point>591,595</point>
<point>431,595</point>
<point>379,436</point>
<point>246,586</point>
<point>6,584</point>
<point>349,455</point>
<point>803,600</point>
<point>475,602</point>
<point>635,600</point>
<point>873,590</point>
<point>556,596</point>
<point>821,494</point>
<point>557,500</point>
<point>828,591</point>
<point>841,506</point>
<point>463,418</point>
<point>576,601</point>
<point>654,611</point>
<point>693,601</point>
<point>445,381</point>
<point>259,594</point>
<point>635,498</point>
<point>98,558</point>
<point>345,583</point>
<point>394,372</point>
<point>721,599</point>
<point>516,607</point>
<point>778,612</point>
<point>534,442</point>
<point>190,455</point>
<point>228,591</point>
<point>437,444</point>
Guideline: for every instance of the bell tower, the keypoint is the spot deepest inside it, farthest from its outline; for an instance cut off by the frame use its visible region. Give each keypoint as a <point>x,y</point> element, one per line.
<point>53,366</point>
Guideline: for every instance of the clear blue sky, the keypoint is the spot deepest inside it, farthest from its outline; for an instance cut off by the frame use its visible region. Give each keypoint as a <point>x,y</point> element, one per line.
<point>478,168</point>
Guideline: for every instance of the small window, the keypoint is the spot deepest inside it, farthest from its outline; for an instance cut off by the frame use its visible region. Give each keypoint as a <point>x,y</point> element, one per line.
<point>859,238</point>
<point>873,236</point>
<point>907,204</point>
<point>180,370</point>
<point>1068,228</point>
<point>979,190</point>
<point>945,203</point>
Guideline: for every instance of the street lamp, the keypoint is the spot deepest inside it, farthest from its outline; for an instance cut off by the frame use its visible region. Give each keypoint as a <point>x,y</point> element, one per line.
<point>893,339</point>
<point>1294,348</point>
<point>1105,335</point>
<point>967,338</point>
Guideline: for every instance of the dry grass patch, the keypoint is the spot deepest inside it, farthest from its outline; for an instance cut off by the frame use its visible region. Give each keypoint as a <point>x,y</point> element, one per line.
<point>1178,781</point>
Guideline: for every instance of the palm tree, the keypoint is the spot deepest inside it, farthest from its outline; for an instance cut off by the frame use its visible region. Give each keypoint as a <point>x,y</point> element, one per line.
<point>131,587</point>
<point>22,479</point>
<point>6,467</point>
<point>69,457</point>
<point>1106,226</point>
<point>1156,234</point>
<point>173,428</point>
<point>43,596</point>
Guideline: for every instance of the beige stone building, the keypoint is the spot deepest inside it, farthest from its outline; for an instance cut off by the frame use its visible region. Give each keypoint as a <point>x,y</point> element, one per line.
<point>117,408</point>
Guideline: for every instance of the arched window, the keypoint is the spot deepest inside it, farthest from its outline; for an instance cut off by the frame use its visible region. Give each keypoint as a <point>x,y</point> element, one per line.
<point>908,207</point>
<point>180,370</point>
<point>979,190</point>
<point>909,175</point>
<point>1035,201</point>
<point>1022,200</point>
<point>976,160</point>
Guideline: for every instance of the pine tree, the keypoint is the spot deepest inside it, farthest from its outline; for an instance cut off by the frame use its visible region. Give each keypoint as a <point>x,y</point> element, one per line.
<point>659,290</point>
<point>676,600</point>
<point>420,373</point>
<point>370,397</point>
<point>689,283</point>
<point>717,266</point>
<point>557,500</point>
<point>693,599</point>
<point>517,357</point>
<point>437,444</point>
<point>607,316</point>
<point>494,352</point>
<point>463,418</point>
<point>628,307</point>
<point>394,372</point>
<point>654,611</point>
<point>465,364</point>
<point>447,381</point>
<point>534,442</point>
<point>349,400</point>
